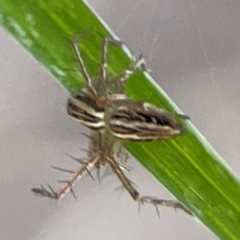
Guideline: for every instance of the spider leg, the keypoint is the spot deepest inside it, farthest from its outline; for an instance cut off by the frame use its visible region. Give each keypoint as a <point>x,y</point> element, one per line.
<point>140,62</point>
<point>136,195</point>
<point>67,185</point>
<point>122,77</point>
<point>80,160</point>
<point>81,65</point>
<point>103,65</point>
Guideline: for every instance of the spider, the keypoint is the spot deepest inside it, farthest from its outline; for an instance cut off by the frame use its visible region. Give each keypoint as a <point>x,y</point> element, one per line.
<point>112,118</point>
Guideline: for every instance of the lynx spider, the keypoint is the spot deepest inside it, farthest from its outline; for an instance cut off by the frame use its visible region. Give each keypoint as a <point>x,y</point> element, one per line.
<point>95,108</point>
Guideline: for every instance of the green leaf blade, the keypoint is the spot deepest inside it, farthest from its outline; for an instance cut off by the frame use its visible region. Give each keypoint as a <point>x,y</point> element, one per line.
<point>186,165</point>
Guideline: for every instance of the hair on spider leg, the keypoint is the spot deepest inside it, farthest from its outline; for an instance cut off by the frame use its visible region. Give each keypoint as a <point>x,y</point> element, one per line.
<point>53,192</point>
<point>108,171</point>
<point>62,169</point>
<point>157,210</point>
<point>167,203</point>
<point>67,185</point>
<point>155,205</point>
<point>42,191</point>
<point>86,135</point>
<point>89,137</point>
<point>122,187</point>
<point>137,196</point>
<point>131,182</point>
<point>71,188</point>
<point>98,175</point>
<point>81,160</point>
<point>39,191</point>
<point>73,193</point>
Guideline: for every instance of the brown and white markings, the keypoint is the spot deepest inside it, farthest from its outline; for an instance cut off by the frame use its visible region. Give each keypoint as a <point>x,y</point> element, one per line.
<point>113,118</point>
<point>140,121</point>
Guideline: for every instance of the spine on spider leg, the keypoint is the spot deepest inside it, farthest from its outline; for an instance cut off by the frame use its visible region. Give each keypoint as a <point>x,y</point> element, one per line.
<point>101,143</point>
<point>136,195</point>
<point>67,185</point>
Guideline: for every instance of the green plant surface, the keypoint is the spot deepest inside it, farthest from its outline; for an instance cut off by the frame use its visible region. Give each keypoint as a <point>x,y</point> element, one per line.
<point>187,165</point>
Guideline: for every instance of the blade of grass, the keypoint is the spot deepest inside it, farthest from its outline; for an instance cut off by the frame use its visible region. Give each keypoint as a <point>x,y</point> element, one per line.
<point>187,165</point>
